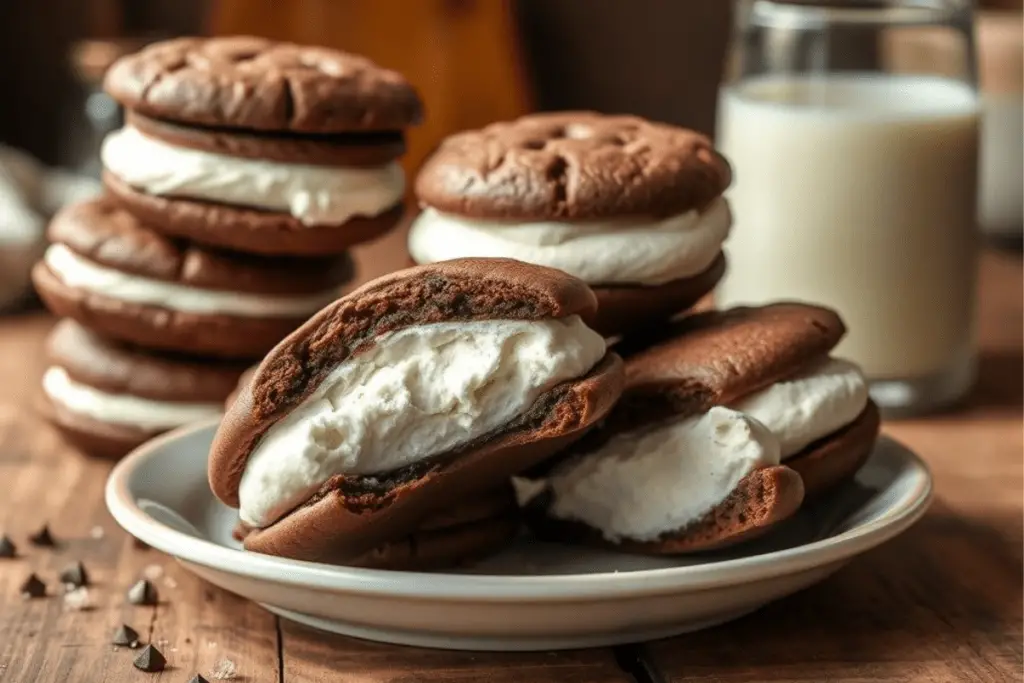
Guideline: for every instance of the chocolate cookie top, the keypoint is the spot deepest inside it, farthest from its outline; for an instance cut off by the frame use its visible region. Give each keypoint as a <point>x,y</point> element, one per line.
<point>108,235</point>
<point>461,290</point>
<point>713,358</point>
<point>575,166</point>
<point>259,84</point>
<point>118,368</point>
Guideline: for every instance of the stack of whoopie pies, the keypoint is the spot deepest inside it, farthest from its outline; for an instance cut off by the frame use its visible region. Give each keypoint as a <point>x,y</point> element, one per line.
<point>244,173</point>
<point>632,207</point>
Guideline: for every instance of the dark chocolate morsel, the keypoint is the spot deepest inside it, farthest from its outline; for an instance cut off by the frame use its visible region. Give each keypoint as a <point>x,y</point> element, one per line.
<point>126,636</point>
<point>150,660</point>
<point>143,593</point>
<point>33,587</point>
<point>42,538</point>
<point>74,575</point>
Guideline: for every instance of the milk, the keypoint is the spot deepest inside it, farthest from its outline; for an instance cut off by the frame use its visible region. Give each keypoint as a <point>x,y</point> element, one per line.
<point>859,192</point>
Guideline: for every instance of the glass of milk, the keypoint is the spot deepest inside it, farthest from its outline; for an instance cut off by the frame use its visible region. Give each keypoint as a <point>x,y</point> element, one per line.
<point>856,182</point>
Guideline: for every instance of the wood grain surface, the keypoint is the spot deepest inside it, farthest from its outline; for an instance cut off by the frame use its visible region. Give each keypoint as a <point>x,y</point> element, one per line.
<point>941,603</point>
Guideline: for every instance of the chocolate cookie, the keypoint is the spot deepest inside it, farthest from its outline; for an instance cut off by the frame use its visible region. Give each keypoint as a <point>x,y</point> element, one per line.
<point>116,275</point>
<point>260,84</point>
<point>257,146</point>
<point>577,166</point>
<point>243,379</point>
<point>421,388</point>
<point>455,536</point>
<point>333,149</point>
<point>623,309</point>
<point>107,398</point>
<point>632,207</point>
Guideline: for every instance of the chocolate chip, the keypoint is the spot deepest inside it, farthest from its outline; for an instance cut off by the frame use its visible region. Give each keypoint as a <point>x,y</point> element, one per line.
<point>126,635</point>
<point>42,538</point>
<point>143,593</point>
<point>7,547</point>
<point>150,660</point>
<point>198,678</point>
<point>33,587</point>
<point>74,575</point>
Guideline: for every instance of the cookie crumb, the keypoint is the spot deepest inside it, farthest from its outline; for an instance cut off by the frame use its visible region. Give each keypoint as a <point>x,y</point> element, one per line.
<point>170,582</point>
<point>78,600</point>
<point>153,572</point>
<point>97,532</point>
<point>225,670</point>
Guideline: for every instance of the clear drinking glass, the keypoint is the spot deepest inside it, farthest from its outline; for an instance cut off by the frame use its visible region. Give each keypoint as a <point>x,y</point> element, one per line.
<point>855,184</point>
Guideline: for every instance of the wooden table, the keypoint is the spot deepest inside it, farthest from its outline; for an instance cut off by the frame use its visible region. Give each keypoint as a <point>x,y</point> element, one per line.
<point>941,603</point>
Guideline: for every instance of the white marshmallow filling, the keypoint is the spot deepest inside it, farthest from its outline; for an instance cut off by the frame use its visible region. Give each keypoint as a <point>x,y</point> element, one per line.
<point>122,409</point>
<point>654,481</point>
<point>809,405</point>
<point>415,393</point>
<point>643,484</point>
<point>315,195</point>
<point>629,251</point>
<point>81,273</point>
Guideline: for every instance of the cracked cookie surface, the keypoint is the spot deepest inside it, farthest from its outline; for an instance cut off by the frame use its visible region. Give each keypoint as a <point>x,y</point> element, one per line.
<point>255,83</point>
<point>573,165</point>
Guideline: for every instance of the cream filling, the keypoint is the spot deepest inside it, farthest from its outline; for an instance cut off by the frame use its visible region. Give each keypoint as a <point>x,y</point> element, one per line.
<point>81,273</point>
<point>416,393</point>
<point>809,406</point>
<point>623,252</point>
<point>315,195</point>
<point>122,409</point>
<point>646,483</point>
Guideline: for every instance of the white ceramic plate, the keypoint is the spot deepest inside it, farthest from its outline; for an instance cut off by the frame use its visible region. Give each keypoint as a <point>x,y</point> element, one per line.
<point>532,596</point>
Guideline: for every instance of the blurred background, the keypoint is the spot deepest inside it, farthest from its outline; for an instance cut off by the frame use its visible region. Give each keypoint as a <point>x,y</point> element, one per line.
<point>500,57</point>
<point>473,61</point>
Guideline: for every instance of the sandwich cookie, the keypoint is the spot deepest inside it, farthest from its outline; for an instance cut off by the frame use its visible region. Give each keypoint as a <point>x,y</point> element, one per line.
<point>121,278</point>
<point>467,532</point>
<point>724,427</point>
<point>259,146</point>
<point>106,398</point>
<point>771,363</point>
<point>420,389</point>
<point>631,207</point>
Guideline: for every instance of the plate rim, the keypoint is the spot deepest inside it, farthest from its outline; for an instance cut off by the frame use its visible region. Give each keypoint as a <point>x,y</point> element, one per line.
<point>604,586</point>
